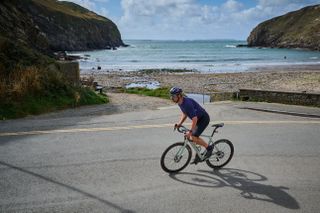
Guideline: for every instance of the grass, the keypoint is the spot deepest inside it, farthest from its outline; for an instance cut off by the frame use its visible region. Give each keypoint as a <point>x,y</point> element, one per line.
<point>27,86</point>
<point>160,92</point>
<point>33,90</point>
<point>69,8</point>
<point>34,105</point>
<point>296,29</point>
<point>15,53</point>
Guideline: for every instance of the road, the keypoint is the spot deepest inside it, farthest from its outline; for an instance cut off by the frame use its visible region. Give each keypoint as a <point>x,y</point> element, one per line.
<point>111,163</point>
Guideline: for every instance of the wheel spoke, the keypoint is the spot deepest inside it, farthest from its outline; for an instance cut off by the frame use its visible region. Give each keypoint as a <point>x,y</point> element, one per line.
<point>176,157</point>
<point>222,154</point>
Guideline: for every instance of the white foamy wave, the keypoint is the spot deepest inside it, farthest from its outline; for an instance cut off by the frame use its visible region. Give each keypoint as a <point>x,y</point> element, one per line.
<point>313,57</point>
<point>230,46</point>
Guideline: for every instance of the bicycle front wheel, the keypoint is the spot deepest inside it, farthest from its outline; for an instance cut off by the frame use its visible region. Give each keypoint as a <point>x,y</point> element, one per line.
<point>222,153</point>
<point>176,157</point>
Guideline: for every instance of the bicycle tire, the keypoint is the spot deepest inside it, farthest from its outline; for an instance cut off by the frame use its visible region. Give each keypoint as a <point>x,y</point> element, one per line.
<point>216,154</point>
<point>165,156</point>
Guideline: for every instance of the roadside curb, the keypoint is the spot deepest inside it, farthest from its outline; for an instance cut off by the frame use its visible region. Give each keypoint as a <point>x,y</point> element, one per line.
<point>282,112</point>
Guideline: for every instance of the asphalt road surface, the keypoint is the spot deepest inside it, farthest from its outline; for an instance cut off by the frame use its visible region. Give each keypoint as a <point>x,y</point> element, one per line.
<point>112,163</point>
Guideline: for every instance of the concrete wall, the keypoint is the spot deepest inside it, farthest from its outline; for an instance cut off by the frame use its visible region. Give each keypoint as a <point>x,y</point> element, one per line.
<point>295,98</point>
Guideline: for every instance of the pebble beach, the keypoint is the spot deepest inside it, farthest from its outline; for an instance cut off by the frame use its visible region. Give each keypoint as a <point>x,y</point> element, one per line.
<point>293,78</point>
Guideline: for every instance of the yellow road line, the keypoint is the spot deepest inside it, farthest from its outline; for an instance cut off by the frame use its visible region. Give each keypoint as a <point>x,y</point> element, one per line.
<point>99,129</point>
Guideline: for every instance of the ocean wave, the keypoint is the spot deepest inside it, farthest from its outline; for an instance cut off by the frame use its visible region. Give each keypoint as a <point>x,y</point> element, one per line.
<point>230,46</point>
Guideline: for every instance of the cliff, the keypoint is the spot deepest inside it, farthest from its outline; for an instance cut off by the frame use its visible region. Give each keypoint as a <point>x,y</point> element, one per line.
<point>298,29</point>
<point>51,25</point>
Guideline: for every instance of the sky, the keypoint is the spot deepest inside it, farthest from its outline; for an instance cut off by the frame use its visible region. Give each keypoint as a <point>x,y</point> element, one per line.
<point>190,19</point>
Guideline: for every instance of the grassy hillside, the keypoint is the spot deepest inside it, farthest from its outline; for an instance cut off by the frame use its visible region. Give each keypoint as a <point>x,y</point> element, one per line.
<point>27,86</point>
<point>69,8</point>
<point>16,53</point>
<point>298,29</point>
<point>51,25</point>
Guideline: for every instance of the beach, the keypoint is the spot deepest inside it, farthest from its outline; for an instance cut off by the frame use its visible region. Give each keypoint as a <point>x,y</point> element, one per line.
<point>203,66</point>
<point>292,78</point>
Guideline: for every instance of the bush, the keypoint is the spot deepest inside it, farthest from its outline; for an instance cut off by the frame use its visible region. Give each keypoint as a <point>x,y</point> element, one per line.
<point>35,90</point>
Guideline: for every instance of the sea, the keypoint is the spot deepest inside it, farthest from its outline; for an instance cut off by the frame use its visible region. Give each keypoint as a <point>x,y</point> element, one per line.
<point>214,56</point>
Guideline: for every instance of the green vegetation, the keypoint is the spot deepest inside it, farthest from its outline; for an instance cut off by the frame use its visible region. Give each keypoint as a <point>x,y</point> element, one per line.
<point>31,82</point>
<point>298,29</point>
<point>160,92</point>
<point>34,105</point>
<point>35,90</point>
<point>28,87</point>
<point>13,54</point>
<point>51,25</point>
<point>69,8</point>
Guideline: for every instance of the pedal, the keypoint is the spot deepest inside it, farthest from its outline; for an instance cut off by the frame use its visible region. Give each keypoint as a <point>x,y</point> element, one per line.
<point>196,160</point>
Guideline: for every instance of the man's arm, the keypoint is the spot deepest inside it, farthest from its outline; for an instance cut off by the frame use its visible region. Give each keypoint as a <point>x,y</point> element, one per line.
<point>182,119</point>
<point>194,122</point>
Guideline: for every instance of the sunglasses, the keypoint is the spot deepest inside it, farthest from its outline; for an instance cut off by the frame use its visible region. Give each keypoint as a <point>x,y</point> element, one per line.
<point>173,96</point>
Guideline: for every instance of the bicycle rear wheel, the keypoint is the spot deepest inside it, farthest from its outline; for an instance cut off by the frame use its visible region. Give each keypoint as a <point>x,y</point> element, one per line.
<point>222,153</point>
<point>176,157</point>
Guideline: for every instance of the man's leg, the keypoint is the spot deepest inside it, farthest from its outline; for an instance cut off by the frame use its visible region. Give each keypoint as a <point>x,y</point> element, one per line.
<point>199,141</point>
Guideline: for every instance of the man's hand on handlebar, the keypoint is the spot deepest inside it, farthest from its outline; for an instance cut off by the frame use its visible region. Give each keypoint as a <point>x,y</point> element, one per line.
<point>176,126</point>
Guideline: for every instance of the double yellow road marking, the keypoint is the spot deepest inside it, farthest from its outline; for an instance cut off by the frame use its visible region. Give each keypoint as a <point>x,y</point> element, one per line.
<point>99,129</point>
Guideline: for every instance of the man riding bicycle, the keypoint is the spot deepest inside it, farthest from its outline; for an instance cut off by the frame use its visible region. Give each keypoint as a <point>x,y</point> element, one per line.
<point>199,117</point>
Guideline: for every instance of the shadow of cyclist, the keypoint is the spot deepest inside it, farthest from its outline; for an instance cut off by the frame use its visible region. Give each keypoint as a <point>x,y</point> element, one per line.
<point>245,181</point>
<point>251,189</point>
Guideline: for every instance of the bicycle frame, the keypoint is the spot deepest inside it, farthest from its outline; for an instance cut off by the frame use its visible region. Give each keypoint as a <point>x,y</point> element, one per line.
<point>194,146</point>
<point>221,154</point>
<point>183,130</point>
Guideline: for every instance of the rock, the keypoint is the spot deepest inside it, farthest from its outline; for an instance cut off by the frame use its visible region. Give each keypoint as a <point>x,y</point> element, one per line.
<point>242,45</point>
<point>298,29</point>
<point>50,26</point>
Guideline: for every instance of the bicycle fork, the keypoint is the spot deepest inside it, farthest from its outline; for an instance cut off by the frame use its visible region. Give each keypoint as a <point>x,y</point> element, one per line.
<point>179,154</point>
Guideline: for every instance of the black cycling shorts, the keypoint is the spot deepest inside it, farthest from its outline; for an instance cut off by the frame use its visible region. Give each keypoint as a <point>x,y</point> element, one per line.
<point>201,125</point>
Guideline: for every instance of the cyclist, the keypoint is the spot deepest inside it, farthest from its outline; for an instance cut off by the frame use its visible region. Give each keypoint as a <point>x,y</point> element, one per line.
<point>199,117</point>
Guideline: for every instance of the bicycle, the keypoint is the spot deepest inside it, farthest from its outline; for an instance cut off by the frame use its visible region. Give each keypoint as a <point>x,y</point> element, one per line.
<point>177,156</point>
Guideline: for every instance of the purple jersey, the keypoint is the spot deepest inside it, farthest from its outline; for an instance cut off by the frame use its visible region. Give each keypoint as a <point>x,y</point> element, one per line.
<point>191,108</point>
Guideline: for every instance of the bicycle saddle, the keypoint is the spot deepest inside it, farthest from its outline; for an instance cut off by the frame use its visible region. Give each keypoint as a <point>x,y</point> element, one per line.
<point>218,125</point>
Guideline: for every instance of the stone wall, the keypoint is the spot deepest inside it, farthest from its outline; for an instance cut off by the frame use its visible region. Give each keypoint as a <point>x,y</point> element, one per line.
<point>295,98</point>
<point>69,68</point>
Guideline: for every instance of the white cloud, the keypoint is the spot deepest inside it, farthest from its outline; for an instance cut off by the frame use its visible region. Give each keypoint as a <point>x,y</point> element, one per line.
<point>178,19</point>
<point>232,5</point>
<point>104,12</point>
<point>277,3</point>
<point>188,19</point>
<point>149,8</point>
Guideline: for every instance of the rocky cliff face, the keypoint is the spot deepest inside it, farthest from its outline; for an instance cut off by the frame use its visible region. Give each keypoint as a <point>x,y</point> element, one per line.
<point>298,29</point>
<point>51,25</point>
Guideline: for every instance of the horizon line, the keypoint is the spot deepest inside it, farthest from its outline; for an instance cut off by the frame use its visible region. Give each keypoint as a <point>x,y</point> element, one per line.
<point>218,39</point>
